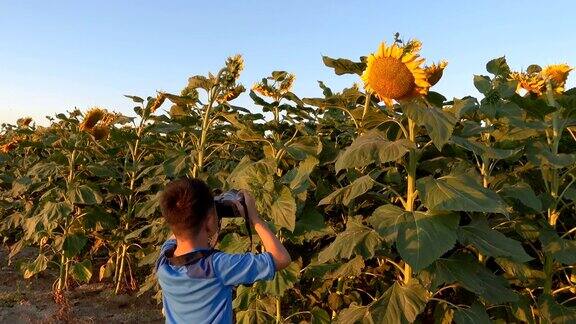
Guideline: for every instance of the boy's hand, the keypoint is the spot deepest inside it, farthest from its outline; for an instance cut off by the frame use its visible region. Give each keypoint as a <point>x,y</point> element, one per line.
<point>251,207</point>
<point>271,243</point>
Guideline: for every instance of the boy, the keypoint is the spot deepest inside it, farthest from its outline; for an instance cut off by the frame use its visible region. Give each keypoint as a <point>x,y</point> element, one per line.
<point>196,280</point>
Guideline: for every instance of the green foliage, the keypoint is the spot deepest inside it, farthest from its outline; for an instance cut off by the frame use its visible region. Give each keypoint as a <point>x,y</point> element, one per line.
<point>425,211</point>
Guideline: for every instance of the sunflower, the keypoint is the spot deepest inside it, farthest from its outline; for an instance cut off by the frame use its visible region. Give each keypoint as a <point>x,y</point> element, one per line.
<point>91,118</point>
<point>23,122</point>
<point>530,82</point>
<point>265,90</point>
<point>557,74</point>
<point>434,72</point>
<point>100,132</point>
<point>395,73</point>
<point>9,146</point>
<point>286,84</point>
<point>160,98</point>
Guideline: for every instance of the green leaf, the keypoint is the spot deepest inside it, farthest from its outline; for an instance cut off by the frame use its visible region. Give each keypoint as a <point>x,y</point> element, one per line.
<point>473,277</point>
<point>178,165</point>
<point>482,83</point>
<point>304,147</point>
<point>552,312</point>
<point>135,98</point>
<point>148,206</point>
<point>320,316</point>
<point>543,157</point>
<point>43,170</point>
<point>524,193</point>
<point>491,242</point>
<point>283,280</point>
<point>347,194</point>
<point>399,304</point>
<point>498,66</point>
<point>438,123</point>
<point>82,271</point>
<point>476,314</point>
<point>56,211</point>
<point>310,225</point>
<point>357,239</point>
<point>234,243</point>
<point>561,249</point>
<point>73,244</point>
<point>459,193</point>
<point>84,195</point>
<point>299,178</point>
<point>461,107</point>
<point>351,268</point>
<point>372,147</point>
<point>344,66</point>
<point>283,209</point>
<point>420,237</point>
<point>200,81</point>
<point>38,265</point>
<point>481,149</point>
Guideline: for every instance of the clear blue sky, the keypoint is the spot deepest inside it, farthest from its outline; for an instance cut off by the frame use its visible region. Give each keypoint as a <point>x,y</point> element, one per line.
<point>55,55</point>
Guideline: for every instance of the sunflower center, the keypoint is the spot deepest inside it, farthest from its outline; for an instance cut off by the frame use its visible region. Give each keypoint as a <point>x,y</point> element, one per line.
<point>391,78</point>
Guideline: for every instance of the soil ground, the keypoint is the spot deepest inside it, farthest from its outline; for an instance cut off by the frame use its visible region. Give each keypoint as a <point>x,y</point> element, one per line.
<point>31,301</point>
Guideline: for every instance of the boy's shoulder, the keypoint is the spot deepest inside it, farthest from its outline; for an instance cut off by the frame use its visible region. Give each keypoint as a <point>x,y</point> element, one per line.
<point>229,268</point>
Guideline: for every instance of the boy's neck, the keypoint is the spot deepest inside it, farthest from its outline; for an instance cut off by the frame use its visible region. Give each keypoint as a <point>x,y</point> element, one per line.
<point>187,245</point>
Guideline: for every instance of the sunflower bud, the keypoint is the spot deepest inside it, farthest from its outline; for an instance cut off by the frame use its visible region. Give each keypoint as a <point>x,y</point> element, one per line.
<point>92,117</point>
<point>235,65</point>
<point>159,101</point>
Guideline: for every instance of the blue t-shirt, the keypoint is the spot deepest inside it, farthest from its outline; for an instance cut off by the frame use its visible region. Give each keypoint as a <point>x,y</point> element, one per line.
<point>201,292</point>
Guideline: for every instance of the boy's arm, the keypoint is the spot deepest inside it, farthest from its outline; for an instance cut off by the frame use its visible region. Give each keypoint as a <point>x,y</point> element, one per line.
<point>271,243</point>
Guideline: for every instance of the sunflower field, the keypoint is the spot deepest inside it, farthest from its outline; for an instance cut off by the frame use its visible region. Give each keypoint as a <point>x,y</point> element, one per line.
<point>397,204</point>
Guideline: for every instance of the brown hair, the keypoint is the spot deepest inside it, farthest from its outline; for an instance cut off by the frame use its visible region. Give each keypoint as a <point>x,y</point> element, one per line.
<point>185,204</point>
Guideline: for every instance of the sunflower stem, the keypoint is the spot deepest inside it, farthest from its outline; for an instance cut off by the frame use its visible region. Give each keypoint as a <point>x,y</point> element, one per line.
<point>411,189</point>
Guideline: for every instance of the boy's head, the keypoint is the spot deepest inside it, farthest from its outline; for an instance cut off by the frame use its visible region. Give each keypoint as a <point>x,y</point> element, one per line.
<point>188,207</point>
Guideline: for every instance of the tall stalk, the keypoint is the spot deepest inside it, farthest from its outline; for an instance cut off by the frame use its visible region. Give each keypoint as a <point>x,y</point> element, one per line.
<point>63,275</point>
<point>411,187</point>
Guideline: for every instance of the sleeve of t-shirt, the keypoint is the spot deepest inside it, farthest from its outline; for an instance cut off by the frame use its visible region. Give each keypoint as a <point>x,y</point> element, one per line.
<point>170,243</point>
<point>236,269</point>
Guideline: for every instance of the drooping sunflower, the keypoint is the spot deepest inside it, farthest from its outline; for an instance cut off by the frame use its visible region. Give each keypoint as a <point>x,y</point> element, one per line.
<point>557,74</point>
<point>160,98</point>
<point>91,118</point>
<point>100,132</point>
<point>395,73</point>
<point>434,72</point>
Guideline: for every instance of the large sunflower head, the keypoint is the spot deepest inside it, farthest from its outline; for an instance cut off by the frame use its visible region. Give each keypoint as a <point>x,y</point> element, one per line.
<point>557,74</point>
<point>100,132</point>
<point>530,82</point>
<point>395,72</point>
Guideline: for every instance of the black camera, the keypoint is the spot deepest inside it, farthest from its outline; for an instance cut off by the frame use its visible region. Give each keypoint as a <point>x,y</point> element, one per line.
<point>230,204</point>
